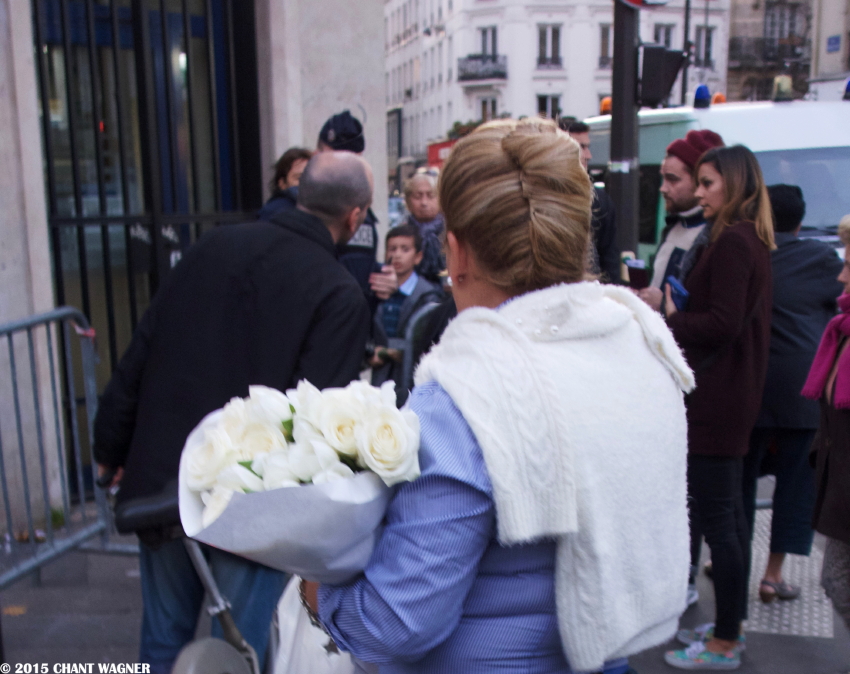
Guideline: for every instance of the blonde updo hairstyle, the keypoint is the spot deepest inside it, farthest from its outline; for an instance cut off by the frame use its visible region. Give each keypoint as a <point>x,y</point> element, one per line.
<point>516,194</point>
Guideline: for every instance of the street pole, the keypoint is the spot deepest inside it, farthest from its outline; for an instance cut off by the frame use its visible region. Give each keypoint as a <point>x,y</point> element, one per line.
<point>687,49</point>
<point>623,169</point>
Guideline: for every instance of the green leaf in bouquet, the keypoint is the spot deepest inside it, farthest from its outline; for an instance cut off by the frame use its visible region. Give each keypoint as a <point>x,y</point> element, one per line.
<point>351,462</point>
<point>248,464</point>
<point>287,429</point>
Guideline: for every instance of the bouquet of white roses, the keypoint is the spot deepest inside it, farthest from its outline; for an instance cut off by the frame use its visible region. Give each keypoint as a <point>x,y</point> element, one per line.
<point>298,481</point>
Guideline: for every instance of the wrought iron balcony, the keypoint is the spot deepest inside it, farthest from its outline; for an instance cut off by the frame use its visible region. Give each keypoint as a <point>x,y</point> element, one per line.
<point>549,62</point>
<point>753,52</point>
<point>482,67</point>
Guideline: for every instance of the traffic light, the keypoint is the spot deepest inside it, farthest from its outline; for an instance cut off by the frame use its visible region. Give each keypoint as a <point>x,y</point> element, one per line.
<point>658,73</point>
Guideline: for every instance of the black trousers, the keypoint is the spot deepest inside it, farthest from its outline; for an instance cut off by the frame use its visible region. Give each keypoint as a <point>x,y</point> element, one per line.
<point>717,511</point>
<point>794,496</point>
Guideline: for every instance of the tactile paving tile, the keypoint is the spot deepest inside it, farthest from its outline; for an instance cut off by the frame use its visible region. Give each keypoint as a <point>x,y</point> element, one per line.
<point>810,615</point>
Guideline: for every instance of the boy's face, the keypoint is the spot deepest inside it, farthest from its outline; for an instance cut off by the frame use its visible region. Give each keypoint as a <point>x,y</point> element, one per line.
<point>402,255</point>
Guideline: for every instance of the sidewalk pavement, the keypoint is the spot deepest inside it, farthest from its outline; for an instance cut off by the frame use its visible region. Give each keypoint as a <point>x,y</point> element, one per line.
<point>87,608</point>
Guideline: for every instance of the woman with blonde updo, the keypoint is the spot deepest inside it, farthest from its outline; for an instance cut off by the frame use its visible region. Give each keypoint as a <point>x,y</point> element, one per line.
<point>548,531</point>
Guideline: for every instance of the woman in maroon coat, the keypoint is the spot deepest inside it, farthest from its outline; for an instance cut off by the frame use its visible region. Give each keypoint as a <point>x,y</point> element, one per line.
<point>725,333</point>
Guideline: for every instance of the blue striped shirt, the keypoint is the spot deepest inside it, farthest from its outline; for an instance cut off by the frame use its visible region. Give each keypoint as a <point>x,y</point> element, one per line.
<point>440,594</point>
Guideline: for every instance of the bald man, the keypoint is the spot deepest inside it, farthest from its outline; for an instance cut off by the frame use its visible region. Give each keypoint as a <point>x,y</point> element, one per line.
<point>259,303</point>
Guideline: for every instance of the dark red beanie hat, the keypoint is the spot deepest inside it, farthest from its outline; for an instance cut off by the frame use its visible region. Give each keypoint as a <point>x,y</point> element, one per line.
<point>690,148</point>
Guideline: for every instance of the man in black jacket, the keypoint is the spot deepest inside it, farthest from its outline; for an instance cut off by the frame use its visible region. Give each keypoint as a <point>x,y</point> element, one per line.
<point>259,303</point>
<point>604,229</point>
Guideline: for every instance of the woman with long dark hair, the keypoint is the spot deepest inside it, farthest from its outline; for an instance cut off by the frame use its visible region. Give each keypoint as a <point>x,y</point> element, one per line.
<point>725,333</point>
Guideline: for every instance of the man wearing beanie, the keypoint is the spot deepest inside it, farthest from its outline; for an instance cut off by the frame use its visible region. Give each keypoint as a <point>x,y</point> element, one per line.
<point>685,232</point>
<point>343,131</point>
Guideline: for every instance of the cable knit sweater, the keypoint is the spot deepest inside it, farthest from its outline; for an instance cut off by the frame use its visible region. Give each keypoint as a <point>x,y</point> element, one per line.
<point>574,394</point>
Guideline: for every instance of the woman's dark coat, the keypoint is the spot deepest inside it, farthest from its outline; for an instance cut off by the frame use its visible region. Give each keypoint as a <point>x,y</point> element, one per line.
<point>725,334</point>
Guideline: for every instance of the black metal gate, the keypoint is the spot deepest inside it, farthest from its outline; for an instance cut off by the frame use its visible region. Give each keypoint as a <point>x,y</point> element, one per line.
<point>150,130</point>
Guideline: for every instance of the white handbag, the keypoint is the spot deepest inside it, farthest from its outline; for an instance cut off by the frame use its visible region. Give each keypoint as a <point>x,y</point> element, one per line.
<point>304,648</point>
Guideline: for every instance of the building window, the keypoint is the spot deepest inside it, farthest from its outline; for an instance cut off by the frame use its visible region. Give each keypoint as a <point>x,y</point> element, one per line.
<point>705,38</point>
<point>605,56</point>
<point>488,109</point>
<point>549,106</point>
<point>489,41</point>
<point>664,34</point>
<point>782,21</point>
<point>549,47</point>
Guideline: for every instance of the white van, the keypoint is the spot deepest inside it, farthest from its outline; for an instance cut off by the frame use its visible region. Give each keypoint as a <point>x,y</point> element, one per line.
<point>805,143</point>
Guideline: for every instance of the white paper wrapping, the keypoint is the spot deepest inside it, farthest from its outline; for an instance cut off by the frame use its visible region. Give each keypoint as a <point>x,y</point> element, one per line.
<point>324,533</point>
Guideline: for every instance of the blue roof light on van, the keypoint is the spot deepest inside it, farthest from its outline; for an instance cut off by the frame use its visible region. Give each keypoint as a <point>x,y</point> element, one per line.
<point>702,97</point>
<point>847,91</point>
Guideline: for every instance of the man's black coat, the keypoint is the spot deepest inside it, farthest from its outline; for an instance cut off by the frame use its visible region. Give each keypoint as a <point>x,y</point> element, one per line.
<point>804,293</point>
<point>605,236</point>
<point>260,303</point>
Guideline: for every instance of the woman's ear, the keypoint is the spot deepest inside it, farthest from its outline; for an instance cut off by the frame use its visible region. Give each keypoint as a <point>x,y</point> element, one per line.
<point>457,259</point>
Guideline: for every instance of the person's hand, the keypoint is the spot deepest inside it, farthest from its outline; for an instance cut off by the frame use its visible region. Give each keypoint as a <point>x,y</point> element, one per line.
<point>311,594</point>
<point>669,304</point>
<point>376,360</point>
<point>384,355</point>
<point>652,296</point>
<point>384,283</point>
<point>116,478</point>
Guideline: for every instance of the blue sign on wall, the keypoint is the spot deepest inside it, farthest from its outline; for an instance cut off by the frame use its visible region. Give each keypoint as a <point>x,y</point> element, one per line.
<point>833,43</point>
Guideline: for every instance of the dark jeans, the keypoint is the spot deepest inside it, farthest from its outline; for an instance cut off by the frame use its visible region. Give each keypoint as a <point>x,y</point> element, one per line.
<point>717,511</point>
<point>794,497</point>
<point>172,595</point>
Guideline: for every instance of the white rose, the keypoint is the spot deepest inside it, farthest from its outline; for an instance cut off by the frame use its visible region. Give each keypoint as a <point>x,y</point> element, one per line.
<point>389,444</point>
<point>304,432</point>
<point>277,473</point>
<point>234,416</point>
<point>305,460</point>
<point>272,404</point>
<point>306,399</point>
<point>338,471</point>
<point>239,478</point>
<point>259,438</point>
<point>215,502</point>
<point>259,462</point>
<point>339,417</point>
<point>370,396</point>
<point>205,460</point>
<point>387,392</point>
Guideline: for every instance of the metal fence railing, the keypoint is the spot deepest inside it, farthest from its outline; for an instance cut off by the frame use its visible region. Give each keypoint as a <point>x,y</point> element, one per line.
<point>48,401</point>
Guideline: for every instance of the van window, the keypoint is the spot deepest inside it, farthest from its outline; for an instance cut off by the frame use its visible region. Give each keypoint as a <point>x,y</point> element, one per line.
<point>822,173</point>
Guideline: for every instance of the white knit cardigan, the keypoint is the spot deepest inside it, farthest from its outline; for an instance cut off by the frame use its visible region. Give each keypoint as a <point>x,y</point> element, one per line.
<point>574,394</point>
